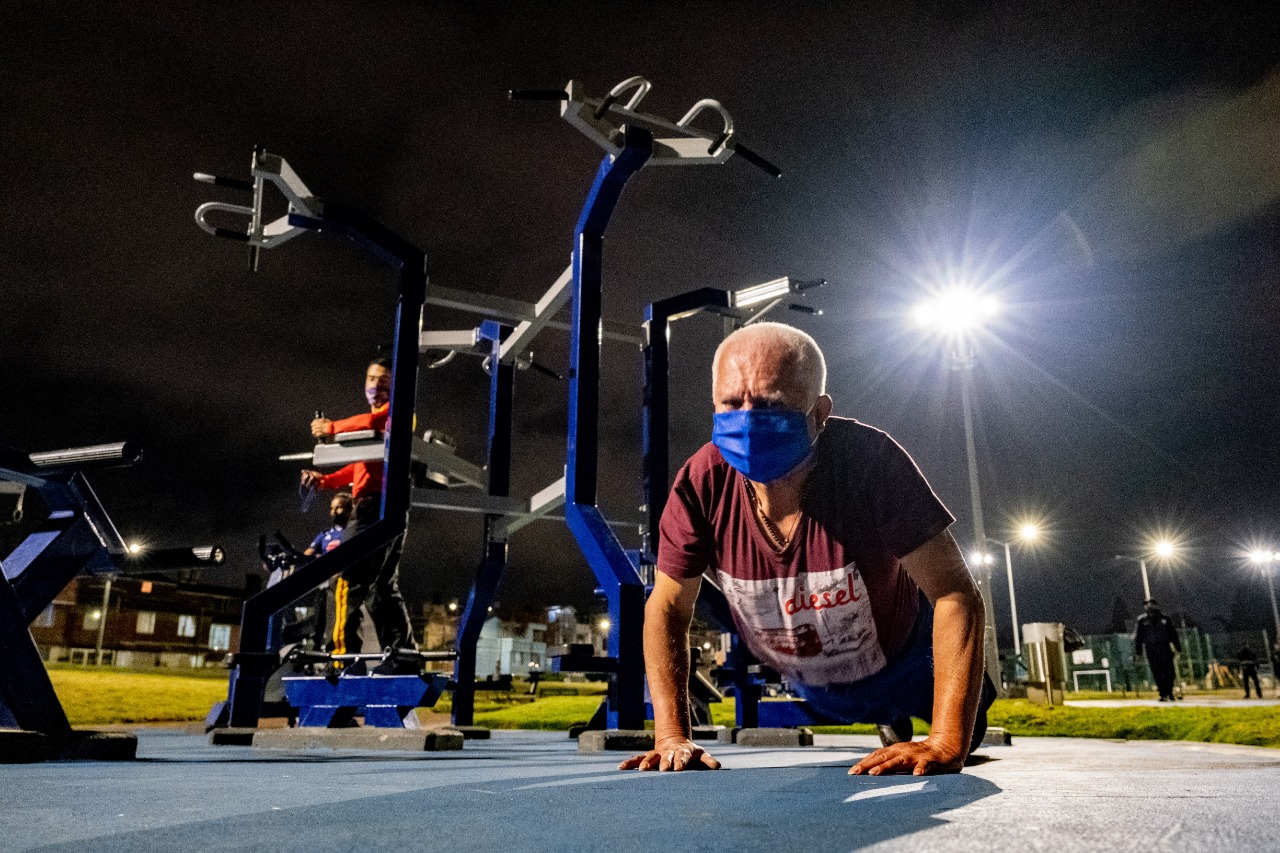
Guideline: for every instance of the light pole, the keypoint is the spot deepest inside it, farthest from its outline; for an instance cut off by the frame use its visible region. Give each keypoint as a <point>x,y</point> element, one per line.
<point>959,315</point>
<point>102,621</point>
<point>1267,559</point>
<point>1028,533</point>
<point>1163,549</point>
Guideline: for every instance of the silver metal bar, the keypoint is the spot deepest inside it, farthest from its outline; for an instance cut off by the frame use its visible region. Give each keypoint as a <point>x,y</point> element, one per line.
<point>542,503</point>
<point>502,308</point>
<point>556,297</point>
<point>338,455</point>
<point>119,453</point>
<point>439,458</point>
<point>461,340</point>
<point>466,502</point>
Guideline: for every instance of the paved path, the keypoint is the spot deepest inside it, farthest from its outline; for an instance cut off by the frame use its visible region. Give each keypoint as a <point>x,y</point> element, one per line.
<point>533,791</point>
<point>1185,702</point>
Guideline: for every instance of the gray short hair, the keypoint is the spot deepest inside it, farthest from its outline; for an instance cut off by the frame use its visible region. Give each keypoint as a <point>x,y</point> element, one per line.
<point>797,347</point>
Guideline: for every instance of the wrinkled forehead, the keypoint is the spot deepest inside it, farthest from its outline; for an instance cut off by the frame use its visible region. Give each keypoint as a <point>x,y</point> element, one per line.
<point>760,368</point>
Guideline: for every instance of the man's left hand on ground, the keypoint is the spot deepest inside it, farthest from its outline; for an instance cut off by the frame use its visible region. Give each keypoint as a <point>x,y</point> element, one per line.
<point>918,758</point>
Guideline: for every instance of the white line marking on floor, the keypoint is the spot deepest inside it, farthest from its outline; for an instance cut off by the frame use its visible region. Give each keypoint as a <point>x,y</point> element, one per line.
<point>891,791</point>
<point>581,780</point>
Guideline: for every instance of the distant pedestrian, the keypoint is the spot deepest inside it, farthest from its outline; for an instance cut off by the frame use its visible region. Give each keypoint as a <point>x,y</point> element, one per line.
<point>1275,663</point>
<point>535,675</point>
<point>1249,669</point>
<point>1158,639</point>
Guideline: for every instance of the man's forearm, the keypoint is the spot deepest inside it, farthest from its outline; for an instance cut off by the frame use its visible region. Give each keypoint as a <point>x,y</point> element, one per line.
<point>957,651</point>
<point>666,663</point>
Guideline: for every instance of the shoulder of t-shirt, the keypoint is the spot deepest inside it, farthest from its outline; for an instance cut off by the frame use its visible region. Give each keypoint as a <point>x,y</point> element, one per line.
<point>859,445</point>
<point>705,474</point>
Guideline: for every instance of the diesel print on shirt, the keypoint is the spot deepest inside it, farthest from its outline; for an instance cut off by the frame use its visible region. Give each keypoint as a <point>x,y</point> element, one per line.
<point>815,628</point>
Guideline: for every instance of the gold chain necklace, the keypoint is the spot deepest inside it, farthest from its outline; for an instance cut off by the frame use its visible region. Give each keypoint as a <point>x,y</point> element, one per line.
<point>771,530</point>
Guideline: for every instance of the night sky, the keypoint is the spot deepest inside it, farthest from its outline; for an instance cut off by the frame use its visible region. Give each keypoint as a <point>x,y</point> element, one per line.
<point>1109,170</point>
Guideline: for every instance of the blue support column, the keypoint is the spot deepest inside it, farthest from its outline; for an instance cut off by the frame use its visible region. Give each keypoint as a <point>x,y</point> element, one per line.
<point>609,562</point>
<point>485,587</point>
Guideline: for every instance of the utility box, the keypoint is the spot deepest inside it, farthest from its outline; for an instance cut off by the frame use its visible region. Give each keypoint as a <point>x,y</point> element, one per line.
<point>1042,644</point>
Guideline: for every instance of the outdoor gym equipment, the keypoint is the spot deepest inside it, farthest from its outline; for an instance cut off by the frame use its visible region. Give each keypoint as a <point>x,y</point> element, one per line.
<point>77,535</point>
<point>631,141</point>
<point>255,662</point>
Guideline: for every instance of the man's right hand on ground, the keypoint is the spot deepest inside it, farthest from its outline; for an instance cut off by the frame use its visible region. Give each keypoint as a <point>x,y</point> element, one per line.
<point>672,754</point>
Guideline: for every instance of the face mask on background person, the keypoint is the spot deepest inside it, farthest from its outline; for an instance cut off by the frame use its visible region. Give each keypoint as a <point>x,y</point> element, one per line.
<point>763,444</point>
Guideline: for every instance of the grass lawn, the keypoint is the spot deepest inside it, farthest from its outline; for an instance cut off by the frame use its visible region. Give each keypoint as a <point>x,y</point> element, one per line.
<point>93,696</point>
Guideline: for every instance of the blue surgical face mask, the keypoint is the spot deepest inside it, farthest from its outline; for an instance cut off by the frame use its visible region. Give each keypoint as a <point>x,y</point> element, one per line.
<point>762,444</point>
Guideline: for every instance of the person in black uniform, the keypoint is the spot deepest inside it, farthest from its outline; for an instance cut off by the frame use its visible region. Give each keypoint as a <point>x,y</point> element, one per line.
<point>1158,639</point>
<point>1275,661</point>
<point>1249,669</point>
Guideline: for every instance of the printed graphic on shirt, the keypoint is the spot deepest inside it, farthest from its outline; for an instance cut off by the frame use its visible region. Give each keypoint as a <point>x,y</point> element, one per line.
<point>815,628</point>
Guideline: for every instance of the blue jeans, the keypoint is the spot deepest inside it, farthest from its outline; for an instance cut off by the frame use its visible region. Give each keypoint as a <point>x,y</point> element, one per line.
<point>904,688</point>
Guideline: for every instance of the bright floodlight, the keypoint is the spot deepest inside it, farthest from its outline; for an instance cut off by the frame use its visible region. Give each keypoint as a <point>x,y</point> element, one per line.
<point>1029,532</point>
<point>134,547</point>
<point>453,606</point>
<point>603,624</point>
<point>1259,556</point>
<point>1164,548</point>
<point>982,559</point>
<point>956,311</point>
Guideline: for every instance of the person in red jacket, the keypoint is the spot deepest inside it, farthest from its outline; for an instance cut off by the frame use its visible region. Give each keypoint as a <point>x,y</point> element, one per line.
<point>375,580</point>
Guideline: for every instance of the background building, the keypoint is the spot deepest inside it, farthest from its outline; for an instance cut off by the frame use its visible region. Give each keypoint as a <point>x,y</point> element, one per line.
<point>140,623</point>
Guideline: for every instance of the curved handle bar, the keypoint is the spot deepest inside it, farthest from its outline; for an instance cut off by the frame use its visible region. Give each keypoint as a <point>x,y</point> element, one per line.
<point>224,207</point>
<point>756,160</point>
<point>640,84</point>
<point>726,132</point>
<point>538,95</point>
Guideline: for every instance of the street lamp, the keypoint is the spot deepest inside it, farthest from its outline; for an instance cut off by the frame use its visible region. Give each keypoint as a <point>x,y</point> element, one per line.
<point>1163,549</point>
<point>1027,533</point>
<point>1266,559</point>
<point>958,315</point>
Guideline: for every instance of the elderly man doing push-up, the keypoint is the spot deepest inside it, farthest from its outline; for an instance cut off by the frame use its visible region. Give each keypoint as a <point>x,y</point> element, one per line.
<point>823,535</point>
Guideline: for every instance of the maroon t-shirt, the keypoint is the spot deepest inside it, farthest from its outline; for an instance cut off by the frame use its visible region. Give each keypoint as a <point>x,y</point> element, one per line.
<point>835,604</point>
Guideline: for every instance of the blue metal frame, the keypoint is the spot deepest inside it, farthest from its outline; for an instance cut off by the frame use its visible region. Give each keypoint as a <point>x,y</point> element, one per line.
<point>614,570</point>
<point>385,701</point>
<point>255,662</point>
<point>494,562</point>
<point>41,566</point>
<point>78,535</point>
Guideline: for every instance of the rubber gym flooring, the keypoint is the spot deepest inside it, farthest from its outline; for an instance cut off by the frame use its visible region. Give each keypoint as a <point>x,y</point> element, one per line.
<point>534,791</point>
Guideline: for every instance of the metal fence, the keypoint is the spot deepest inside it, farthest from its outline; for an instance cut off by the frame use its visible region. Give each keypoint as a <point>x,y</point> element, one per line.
<point>1208,661</point>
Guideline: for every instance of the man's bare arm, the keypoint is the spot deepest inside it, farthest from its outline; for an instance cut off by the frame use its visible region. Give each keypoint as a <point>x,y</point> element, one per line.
<point>939,570</point>
<point>666,661</point>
